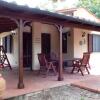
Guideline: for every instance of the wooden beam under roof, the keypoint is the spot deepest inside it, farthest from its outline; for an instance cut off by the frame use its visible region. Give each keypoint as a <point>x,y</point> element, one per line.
<point>32,14</point>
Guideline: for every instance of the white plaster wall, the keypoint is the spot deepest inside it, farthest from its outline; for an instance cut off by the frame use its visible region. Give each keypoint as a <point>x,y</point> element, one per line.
<point>95,63</point>
<point>80,45</point>
<point>36,44</point>
<point>39,28</point>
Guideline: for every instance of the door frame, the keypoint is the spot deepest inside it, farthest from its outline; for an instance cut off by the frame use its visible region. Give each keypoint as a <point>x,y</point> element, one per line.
<point>29,32</point>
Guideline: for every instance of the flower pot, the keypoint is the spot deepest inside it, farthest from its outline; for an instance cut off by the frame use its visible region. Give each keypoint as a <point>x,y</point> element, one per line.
<point>2,86</point>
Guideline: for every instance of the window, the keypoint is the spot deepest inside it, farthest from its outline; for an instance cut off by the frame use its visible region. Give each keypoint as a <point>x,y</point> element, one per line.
<point>64,42</point>
<point>7,43</point>
<point>96,43</point>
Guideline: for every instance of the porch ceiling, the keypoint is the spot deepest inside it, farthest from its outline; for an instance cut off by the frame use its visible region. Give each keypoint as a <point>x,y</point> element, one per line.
<point>6,24</point>
<point>33,14</point>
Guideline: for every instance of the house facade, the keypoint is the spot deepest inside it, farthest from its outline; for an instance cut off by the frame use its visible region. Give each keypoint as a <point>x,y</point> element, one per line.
<point>84,40</point>
<point>81,40</point>
<point>25,32</point>
<point>43,37</point>
<point>38,29</point>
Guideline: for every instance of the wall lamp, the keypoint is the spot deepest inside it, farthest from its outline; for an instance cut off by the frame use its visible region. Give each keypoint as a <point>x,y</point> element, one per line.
<point>13,32</point>
<point>83,34</point>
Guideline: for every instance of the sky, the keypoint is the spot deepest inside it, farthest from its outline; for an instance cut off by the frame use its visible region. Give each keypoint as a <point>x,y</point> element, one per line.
<point>45,4</point>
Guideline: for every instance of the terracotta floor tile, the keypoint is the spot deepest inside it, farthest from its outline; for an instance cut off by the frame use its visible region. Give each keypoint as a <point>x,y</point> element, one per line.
<point>35,82</point>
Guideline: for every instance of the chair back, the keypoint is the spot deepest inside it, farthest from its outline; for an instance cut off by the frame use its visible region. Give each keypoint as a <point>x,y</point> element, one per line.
<point>53,56</point>
<point>85,59</point>
<point>42,59</point>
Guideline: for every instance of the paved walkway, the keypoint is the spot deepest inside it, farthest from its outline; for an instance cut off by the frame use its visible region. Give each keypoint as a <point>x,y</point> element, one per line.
<point>92,84</point>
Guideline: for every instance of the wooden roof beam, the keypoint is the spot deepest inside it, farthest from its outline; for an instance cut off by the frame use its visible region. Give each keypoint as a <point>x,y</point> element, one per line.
<point>85,26</point>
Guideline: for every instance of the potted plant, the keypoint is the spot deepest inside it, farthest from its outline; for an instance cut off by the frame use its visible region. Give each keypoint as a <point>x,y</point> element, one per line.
<point>2,86</point>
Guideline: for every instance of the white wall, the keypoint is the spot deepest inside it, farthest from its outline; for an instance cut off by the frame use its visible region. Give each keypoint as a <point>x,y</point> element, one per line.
<point>36,44</point>
<point>80,43</point>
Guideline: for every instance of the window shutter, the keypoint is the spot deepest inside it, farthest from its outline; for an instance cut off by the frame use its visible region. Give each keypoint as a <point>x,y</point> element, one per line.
<point>64,42</point>
<point>5,43</point>
<point>11,43</point>
<point>8,43</point>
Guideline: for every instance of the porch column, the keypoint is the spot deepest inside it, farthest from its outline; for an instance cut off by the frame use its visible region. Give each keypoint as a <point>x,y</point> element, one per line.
<point>60,74</point>
<point>20,52</point>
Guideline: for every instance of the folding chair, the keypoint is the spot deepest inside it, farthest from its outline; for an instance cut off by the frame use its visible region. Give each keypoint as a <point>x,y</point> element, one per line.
<point>82,64</point>
<point>46,65</point>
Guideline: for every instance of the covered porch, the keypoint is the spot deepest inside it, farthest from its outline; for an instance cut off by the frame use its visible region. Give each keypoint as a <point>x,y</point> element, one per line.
<point>27,80</point>
<point>35,83</point>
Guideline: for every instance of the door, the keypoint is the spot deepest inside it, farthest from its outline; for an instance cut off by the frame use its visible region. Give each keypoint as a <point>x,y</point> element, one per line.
<point>27,50</point>
<point>46,43</point>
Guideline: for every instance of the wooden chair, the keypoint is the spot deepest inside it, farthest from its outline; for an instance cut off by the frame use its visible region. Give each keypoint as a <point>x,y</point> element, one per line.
<point>45,65</point>
<point>82,64</point>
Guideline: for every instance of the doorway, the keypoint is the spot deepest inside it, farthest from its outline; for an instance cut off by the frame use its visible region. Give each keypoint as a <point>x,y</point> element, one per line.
<point>27,50</point>
<point>46,43</point>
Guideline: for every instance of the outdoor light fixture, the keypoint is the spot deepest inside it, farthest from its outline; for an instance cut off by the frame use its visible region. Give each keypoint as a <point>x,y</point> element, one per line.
<point>83,34</point>
<point>83,41</point>
<point>13,32</point>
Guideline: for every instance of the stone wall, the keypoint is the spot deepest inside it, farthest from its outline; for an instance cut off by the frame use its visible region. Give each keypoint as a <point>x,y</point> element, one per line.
<point>65,92</point>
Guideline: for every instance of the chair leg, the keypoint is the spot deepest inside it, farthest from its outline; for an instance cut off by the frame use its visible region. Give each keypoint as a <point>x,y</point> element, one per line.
<point>87,70</point>
<point>73,69</point>
<point>48,68</point>
<point>80,70</point>
<point>53,67</point>
<point>89,66</point>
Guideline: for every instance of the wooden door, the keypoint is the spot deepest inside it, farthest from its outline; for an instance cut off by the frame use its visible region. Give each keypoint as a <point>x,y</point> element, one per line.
<point>46,43</point>
<point>27,50</point>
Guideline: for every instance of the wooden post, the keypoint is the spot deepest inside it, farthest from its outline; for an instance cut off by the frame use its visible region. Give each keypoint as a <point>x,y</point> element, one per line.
<point>60,74</point>
<point>20,47</point>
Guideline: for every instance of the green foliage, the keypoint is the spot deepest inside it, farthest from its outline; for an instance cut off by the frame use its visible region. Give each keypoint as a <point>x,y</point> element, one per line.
<point>54,0</point>
<point>82,98</point>
<point>92,5</point>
